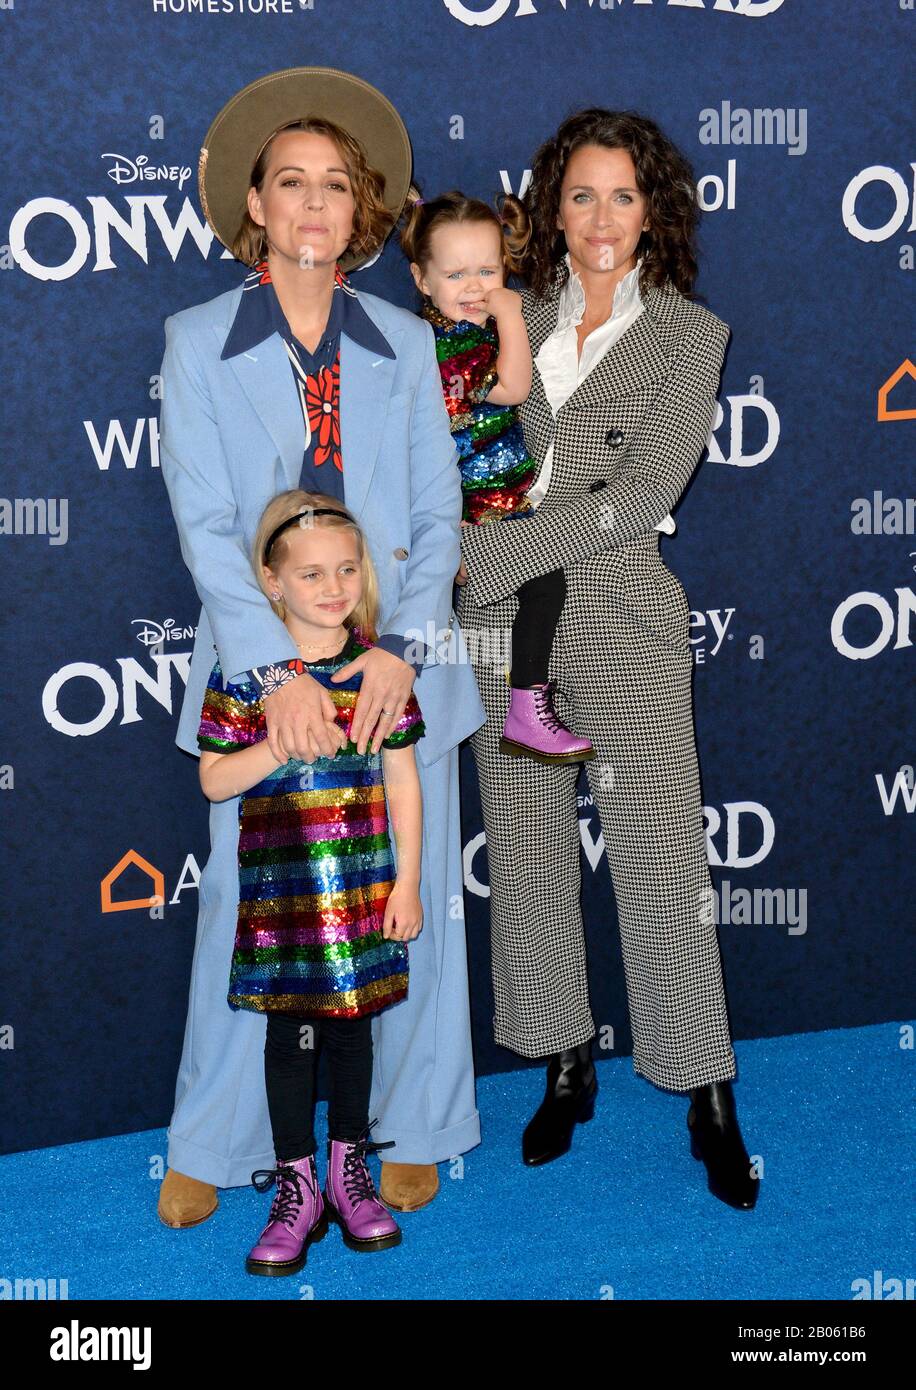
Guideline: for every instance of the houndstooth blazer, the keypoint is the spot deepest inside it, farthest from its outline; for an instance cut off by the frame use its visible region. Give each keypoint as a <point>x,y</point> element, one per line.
<point>627,442</point>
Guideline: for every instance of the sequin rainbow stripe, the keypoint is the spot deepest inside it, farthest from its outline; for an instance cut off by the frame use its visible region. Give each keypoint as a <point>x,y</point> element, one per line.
<point>496,468</point>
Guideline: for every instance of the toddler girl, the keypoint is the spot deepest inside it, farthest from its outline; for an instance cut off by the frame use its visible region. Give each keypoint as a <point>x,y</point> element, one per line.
<point>460,251</point>
<point>323,917</point>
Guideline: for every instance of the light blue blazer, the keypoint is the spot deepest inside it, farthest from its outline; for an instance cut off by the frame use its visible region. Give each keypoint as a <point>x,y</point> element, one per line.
<point>232,437</point>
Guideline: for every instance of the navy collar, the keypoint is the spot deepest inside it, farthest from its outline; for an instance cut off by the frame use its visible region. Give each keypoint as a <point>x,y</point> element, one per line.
<point>259,314</point>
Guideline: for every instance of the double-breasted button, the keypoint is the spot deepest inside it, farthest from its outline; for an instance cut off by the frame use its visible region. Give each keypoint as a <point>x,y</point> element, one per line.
<point>401,553</point>
<point>614,438</point>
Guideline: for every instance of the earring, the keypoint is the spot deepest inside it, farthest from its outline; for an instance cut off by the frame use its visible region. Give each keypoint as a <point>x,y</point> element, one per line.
<point>276,597</point>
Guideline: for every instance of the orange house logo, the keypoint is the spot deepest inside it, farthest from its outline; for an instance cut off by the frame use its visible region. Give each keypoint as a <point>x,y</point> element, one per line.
<point>886,412</point>
<point>137,860</point>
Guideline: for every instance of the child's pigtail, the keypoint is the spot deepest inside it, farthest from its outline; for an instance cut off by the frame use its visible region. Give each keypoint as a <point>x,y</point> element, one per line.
<point>516,230</point>
<point>411,222</point>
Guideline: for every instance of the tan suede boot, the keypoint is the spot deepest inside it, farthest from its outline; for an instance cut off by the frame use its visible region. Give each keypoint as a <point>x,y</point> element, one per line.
<point>185,1201</point>
<point>408,1186</point>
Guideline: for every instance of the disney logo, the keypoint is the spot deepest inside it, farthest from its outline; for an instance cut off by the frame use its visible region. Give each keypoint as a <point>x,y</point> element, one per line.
<point>126,170</point>
<point>153,634</point>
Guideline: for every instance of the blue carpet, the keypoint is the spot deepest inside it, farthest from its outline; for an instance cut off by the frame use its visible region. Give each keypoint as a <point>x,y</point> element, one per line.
<point>626,1211</point>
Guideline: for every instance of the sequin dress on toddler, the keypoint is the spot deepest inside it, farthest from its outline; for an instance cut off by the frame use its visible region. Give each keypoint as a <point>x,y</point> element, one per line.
<point>496,468</point>
<point>496,472</point>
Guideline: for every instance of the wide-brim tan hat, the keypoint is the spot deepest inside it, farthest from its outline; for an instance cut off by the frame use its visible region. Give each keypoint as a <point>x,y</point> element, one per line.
<point>247,121</point>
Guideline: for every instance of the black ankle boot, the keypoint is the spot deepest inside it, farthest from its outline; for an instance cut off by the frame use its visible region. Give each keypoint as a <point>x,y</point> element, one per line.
<point>569,1100</point>
<point>716,1139</point>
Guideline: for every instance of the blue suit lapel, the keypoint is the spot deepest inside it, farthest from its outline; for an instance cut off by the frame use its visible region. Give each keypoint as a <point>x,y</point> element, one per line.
<point>266,377</point>
<point>365,387</point>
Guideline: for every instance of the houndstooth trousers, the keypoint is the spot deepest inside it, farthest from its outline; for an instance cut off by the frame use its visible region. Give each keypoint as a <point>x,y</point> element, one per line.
<point>623,665</point>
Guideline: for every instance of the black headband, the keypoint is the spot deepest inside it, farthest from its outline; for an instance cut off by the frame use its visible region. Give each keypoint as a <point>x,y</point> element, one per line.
<point>298,519</point>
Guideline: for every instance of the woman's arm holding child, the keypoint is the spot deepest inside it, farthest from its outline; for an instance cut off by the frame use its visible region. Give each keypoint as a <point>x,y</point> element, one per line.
<point>513,365</point>
<point>403,911</point>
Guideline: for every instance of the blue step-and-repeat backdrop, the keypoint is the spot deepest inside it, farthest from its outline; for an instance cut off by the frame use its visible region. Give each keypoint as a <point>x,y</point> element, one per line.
<point>796,541</point>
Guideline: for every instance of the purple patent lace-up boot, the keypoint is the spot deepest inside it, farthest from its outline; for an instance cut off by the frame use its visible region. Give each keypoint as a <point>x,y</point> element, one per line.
<point>297,1218</point>
<point>351,1200</point>
<point>534,730</point>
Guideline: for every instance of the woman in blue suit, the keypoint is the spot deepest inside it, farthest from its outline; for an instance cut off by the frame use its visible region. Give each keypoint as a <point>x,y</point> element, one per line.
<point>295,379</point>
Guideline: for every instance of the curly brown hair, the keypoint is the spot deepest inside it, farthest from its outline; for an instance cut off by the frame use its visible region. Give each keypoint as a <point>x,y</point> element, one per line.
<point>663,175</point>
<point>421,218</point>
<point>372,220</point>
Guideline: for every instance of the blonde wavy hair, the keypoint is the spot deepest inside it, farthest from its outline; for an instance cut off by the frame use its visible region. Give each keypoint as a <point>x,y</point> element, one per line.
<point>364,618</point>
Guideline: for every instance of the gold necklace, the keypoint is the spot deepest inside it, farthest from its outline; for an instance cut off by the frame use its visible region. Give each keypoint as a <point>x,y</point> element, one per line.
<point>313,646</point>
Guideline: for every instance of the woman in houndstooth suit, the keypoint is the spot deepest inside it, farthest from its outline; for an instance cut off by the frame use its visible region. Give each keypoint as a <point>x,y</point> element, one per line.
<point>618,425</point>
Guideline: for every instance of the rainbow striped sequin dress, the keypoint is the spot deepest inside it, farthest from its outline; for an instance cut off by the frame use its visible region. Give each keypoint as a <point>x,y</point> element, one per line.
<point>315,861</point>
<point>496,468</point>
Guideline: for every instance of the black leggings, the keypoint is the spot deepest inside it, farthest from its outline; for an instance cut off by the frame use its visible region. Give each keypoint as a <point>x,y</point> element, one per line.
<point>540,603</point>
<point>290,1072</point>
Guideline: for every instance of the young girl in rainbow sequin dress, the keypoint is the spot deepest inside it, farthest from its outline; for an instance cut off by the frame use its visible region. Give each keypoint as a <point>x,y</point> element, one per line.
<point>324,917</point>
<point>460,251</point>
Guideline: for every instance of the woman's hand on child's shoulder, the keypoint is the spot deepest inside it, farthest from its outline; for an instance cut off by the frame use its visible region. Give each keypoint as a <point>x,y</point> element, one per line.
<point>403,914</point>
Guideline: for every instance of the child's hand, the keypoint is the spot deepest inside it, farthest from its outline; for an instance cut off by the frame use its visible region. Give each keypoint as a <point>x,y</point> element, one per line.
<point>502,303</point>
<point>403,915</point>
